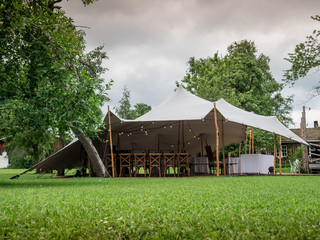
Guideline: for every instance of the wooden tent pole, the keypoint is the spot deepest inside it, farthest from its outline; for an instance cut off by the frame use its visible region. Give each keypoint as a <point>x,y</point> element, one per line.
<point>250,137</point>
<point>111,149</point>
<point>252,141</point>
<point>280,150</point>
<point>179,136</point>
<point>245,146</point>
<point>274,155</point>
<point>158,142</point>
<point>223,155</point>
<point>217,139</point>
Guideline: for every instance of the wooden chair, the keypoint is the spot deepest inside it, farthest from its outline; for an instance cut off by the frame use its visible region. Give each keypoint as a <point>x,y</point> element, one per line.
<point>140,161</point>
<point>155,161</point>
<point>125,162</point>
<point>183,160</point>
<point>108,163</point>
<point>169,161</point>
<point>210,159</point>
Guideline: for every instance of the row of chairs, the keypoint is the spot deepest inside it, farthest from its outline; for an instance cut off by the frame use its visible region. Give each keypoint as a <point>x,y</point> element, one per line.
<point>161,161</point>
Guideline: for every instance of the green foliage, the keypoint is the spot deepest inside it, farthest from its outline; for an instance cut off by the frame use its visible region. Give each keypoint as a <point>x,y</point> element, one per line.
<point>48,86</point>
<point>243,78</point>
<point>297,154</point>
<point>261,207</point>
<point>306,57</point>
<point>124,110</point>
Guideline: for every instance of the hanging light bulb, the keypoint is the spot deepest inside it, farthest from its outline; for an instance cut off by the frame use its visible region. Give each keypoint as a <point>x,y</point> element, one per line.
<point>198,138</point>
<point>172,146</point>
<point>164,126</point>
<point>189,143</point>
<point>190,130</point>
<point>194,136</point>
<point>152,122</point>
<point>128,134</point>
<point>170,126</point>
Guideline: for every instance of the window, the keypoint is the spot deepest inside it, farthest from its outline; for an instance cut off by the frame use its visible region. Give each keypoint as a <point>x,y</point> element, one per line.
<point>284,151</point>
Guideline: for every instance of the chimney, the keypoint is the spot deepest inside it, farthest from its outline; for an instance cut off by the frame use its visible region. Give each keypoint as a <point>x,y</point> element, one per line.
<point>315,124</point>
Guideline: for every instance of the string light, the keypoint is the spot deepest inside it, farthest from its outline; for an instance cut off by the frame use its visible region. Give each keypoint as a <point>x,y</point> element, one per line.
<point>189,143</point>
<point>164,126</point>
<point>152,122</point>
<point>190,130</point>
<point>170,126</point>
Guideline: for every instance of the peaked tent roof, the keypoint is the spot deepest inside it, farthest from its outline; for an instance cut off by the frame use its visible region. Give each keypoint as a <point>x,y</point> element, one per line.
<point>183,105</point>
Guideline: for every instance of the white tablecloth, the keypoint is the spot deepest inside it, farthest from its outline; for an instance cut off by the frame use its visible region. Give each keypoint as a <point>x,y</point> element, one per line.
<point>201,165</point>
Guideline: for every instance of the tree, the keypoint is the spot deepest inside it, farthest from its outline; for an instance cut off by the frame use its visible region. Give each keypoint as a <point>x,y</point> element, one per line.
<point>124,110</point>
<point>242,78</point>
<point>306,57</point>
<point>49,86</point>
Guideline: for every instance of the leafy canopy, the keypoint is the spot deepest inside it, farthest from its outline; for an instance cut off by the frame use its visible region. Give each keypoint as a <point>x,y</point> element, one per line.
<point>306,57</point>
<point>49,85</point>
<point>241,77</point>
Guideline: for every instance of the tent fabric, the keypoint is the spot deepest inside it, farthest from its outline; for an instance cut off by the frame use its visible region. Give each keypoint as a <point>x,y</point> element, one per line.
<point>270,124</point>
<point>182,122</point>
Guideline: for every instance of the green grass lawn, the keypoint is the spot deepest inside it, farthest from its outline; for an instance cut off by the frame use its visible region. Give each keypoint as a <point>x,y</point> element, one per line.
<point>256,207</point>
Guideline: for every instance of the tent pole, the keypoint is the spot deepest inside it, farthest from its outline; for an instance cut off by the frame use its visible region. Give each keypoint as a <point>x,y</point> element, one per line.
<point>252,142</point>
<point>239,149</point>
<point>223,155</point>
<point>111,149</point>
<point>280,150</point>
<point>250,138</point>
<point>274,155</point>
<point>245,146</point>
<point>179,136</point>
<point>217,139</point>
<point>183,146</point>
<point>158,143</point>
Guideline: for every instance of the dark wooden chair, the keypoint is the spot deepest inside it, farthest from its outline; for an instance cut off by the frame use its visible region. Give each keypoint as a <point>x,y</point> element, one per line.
<point>140,162</point>
<point>169,161</point>
<point>108,163</point>
<point>183,160</point>
<point>155,162</point>
<point>125,162</point>
<point>210,159</point>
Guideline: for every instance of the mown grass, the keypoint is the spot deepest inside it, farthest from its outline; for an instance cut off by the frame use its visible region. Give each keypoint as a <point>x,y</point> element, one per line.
<point>256,207</point>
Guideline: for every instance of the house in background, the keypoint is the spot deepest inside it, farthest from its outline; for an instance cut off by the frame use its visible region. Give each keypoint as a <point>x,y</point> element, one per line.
<point>313,138</point>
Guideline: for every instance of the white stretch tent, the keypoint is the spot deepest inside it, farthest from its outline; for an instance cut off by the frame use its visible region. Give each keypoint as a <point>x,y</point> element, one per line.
<point>182,122</point>
<point>158,129</point>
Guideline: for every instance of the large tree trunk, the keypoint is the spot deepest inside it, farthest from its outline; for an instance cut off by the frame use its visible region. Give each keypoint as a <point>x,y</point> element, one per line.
<point>95,159</point>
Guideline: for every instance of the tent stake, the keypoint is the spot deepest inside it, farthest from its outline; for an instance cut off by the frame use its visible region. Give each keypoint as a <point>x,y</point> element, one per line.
<point>280,149</point>
<point>274,155</point>
<point>217,139</point>
<point>223,155</point>
<point>111,150</point>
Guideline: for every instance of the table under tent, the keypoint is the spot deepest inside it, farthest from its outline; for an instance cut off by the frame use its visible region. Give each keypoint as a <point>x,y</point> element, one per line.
<point>170,138</point>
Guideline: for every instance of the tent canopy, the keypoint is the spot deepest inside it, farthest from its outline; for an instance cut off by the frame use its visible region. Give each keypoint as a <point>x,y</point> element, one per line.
<point>182,122</point>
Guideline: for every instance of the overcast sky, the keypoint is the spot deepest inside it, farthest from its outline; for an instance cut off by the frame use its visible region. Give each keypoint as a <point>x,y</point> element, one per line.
<point>149,42</point>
